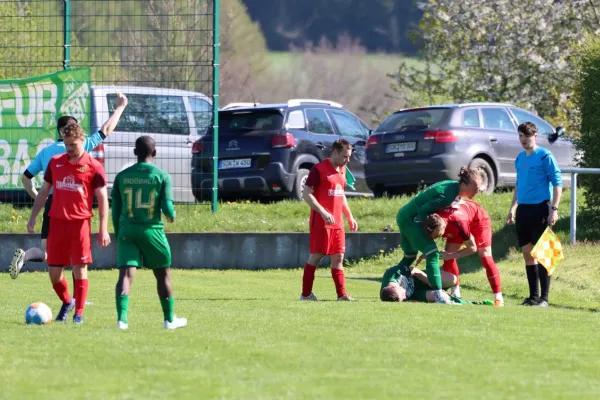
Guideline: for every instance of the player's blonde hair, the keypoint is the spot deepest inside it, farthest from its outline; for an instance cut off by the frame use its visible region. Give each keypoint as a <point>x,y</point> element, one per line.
<point>73,131</point>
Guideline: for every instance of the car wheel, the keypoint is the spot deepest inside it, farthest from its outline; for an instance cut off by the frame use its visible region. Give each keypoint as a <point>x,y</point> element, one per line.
<point>299,183</point>
<point>489,179</point>
<point>379,192</point>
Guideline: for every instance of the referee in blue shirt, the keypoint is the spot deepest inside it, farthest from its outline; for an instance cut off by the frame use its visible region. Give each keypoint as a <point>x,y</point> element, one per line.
<point>537,194</point>
<point>40,163</point>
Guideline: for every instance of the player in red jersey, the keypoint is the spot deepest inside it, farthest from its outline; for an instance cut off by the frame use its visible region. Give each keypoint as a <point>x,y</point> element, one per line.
<point>324,193</point>
<point>76,177</point>
<point>468,222</point>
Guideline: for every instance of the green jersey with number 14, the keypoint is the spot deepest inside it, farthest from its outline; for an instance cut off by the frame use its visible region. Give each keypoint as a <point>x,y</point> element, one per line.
<point>139,194</point>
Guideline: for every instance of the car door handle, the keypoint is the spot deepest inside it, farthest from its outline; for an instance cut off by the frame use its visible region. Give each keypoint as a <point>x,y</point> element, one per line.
<point>360,143</point>
<point>493,139</point>
<point>320,146</point>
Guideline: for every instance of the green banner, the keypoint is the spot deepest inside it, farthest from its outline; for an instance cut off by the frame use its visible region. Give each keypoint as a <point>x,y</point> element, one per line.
<point>29,109</point>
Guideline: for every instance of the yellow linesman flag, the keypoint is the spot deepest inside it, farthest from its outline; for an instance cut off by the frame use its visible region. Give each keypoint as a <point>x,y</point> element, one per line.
<point>548,250</point>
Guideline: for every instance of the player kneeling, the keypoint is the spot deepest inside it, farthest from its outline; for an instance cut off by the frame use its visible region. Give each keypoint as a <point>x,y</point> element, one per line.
<point>145,190</point>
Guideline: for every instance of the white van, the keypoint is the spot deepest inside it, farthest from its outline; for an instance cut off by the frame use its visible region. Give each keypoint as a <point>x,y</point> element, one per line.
<point>174,118</point>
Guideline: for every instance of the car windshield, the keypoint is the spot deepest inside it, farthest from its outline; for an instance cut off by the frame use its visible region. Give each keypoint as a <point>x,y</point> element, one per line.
<point>251,120</point>
<point>416,118</point>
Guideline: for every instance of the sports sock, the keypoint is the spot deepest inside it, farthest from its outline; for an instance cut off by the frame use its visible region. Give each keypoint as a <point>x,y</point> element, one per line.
<point>340,281</point>
<point>544,281</point>
<point>62,290</point>
<point>308,278</point>
<point>81,292</point>
<point>455,290</point>
<point>35,255</point>
<point>451,266</point>
<point>498,296</point>
<point>492,273</point>
<point>168,307</point>
<point>532,279</point>
<point>434,276</point>
<point>122,307</point>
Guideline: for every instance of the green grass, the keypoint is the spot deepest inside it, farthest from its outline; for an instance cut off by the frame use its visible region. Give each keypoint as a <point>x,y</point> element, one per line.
<point>249,338</point>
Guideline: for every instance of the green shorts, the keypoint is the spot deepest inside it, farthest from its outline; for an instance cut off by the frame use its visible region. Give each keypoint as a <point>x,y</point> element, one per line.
<point>413,237</point>
<point>143,247</point>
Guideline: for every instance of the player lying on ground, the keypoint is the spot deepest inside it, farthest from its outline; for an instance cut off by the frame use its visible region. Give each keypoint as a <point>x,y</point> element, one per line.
<point>144,190</point>
<point>469,223</point>
<point>417,237</point>
<point>398,284</point>
<point>76,177</point>
<point>40,164</point>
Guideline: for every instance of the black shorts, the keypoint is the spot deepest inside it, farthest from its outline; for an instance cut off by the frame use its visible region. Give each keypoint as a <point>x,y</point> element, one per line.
<point>46,218</point>
<point>531,222</point>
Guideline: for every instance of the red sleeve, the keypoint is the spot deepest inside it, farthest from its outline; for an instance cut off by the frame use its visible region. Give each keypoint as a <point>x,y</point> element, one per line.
<point>99,179</point>
<point>463,230</point>
<point>48,173</point>
<point>314,179</point>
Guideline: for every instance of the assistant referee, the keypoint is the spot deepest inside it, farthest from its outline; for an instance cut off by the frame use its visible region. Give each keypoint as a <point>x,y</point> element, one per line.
<point>537,194</point>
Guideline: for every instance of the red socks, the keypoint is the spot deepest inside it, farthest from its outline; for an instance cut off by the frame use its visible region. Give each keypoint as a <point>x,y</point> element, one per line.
<point>308,279</point>
<point>62,291</point>
<point>81,291</point>
<point>340,281</point>
<point>492,273</point>
<point>451,266</point>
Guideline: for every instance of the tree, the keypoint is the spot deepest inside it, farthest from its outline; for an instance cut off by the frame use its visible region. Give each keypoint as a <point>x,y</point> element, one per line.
<point>505,50</point>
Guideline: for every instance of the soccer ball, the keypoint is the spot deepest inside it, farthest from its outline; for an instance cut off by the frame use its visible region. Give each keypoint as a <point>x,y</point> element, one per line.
<point>38,314</point>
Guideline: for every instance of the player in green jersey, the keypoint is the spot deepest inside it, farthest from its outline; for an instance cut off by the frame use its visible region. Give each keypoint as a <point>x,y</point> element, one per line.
<point>139,194</point>
<point>399,284</point>
<point>418,222</point>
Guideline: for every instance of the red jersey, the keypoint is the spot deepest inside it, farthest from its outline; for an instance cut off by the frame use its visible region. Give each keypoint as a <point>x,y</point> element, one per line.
<point>328,186</point>
<point>462,218</point>
<point>74,185</point>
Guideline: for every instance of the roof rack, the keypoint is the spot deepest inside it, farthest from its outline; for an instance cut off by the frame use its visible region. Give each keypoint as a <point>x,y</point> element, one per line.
<point>297,102</point>
<point>484,103</point>
<point>238,105</point>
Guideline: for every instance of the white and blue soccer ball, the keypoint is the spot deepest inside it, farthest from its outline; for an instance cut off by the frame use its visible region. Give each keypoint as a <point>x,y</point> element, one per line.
<point>38,314</point>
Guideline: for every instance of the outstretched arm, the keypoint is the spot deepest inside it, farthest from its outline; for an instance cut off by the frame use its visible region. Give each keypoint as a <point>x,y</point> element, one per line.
<point>110,125</point>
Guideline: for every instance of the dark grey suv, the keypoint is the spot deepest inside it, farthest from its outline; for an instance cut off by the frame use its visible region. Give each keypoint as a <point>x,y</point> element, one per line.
<point>425,145</point>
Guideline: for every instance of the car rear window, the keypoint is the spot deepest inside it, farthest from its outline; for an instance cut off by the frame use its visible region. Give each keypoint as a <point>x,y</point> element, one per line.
<point>429,117</point>
<point>251,120</point>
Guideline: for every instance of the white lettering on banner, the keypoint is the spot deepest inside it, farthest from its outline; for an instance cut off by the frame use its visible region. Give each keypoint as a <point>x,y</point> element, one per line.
<point>25,122</point>
<point>46,106</point>
<point>4,164</point>
<point>75,104</point>
<point>338,191</point>
<point>68,183</point>
<point>5,88</point>
<point>21,161</point>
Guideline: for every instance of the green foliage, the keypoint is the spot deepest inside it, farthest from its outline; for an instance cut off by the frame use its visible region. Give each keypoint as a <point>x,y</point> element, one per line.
<point>586,98</point>
<point>502,51</point>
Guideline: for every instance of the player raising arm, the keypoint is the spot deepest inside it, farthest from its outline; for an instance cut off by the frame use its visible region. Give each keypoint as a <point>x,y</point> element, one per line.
<point>139,194</point>
<point>40,164</point>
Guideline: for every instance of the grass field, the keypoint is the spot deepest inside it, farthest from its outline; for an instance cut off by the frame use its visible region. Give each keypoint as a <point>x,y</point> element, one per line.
<point>249,338</point>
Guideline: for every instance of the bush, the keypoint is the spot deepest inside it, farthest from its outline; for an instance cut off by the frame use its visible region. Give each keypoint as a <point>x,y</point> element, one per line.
<point>586,97</point>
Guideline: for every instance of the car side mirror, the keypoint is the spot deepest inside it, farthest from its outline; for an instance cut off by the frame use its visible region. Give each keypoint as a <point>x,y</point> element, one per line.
<point>553,137</point>
<point>560,131</point>
<point>370,132</point>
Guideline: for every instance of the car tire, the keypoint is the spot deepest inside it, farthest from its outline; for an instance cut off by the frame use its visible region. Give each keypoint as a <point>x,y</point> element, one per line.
<point>299,183</point>
<point>489,179</point>
<point>379,192</point>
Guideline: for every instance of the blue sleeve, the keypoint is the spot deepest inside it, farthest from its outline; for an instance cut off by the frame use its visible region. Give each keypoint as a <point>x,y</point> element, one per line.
<point>93,141</point>
<point>552,169</point>
<point>517,170</point>
<point>36,165</point>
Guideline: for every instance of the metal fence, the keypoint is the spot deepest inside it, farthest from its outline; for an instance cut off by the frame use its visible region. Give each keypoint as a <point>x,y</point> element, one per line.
<point>573,219</point>
<point>162,54</point>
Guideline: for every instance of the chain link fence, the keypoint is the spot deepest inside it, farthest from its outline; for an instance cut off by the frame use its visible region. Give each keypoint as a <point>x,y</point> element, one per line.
<point>73,56</point>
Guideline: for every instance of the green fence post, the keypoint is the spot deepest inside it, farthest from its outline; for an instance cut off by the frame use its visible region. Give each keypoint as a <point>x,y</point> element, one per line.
<point>67,35</point>
<point>215,99</point>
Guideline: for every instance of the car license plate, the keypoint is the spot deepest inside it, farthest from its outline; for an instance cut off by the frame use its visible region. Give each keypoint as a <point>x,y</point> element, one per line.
<point>400,147</point>
<point>239,163</point>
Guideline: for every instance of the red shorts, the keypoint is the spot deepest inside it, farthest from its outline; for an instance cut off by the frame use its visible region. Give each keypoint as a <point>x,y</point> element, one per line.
<point>482,232</point>
<point>327,241</point>
<point>69,242</point>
